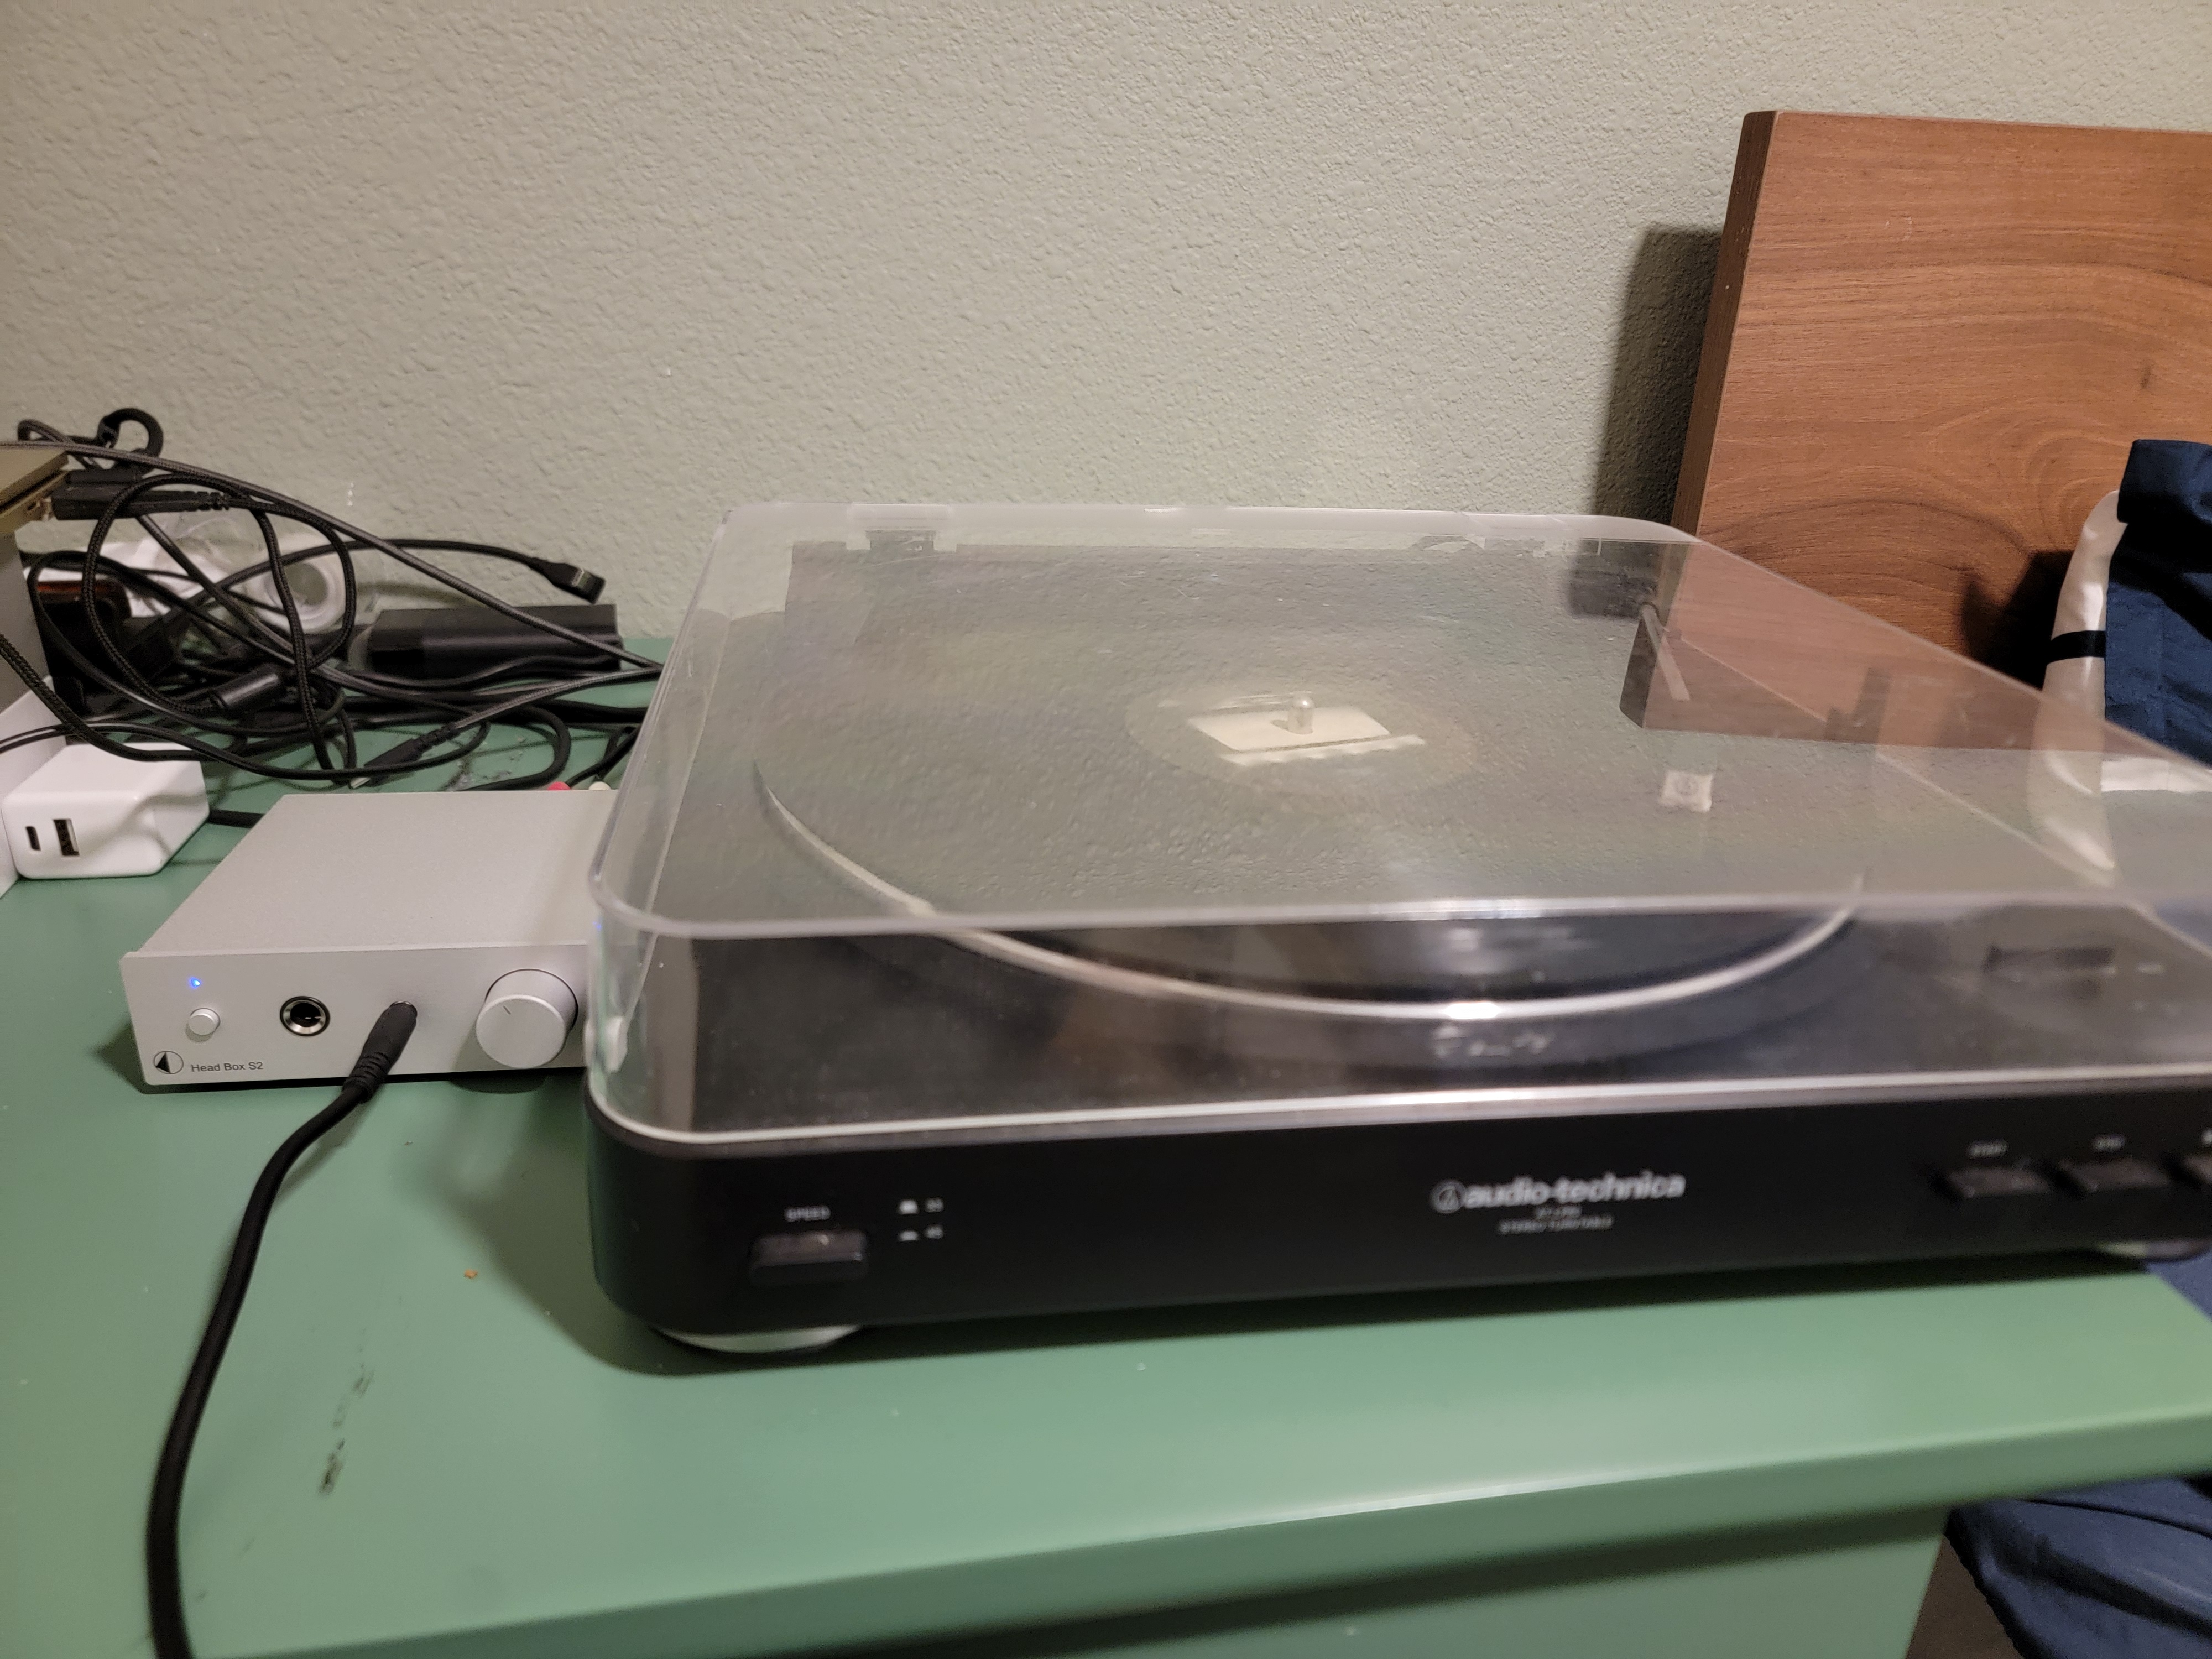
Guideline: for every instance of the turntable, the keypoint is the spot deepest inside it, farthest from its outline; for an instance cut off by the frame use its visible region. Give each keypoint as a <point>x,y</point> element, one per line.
<point>1014,909</point>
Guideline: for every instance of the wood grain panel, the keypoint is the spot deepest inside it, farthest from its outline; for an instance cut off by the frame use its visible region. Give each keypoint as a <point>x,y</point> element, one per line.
<point>1930,345</point>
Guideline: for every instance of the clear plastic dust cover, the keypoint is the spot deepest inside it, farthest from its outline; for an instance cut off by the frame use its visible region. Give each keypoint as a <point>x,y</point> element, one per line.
<point>986,820</point>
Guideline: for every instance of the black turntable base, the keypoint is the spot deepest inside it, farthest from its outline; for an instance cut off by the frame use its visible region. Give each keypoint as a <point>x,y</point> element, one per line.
<point>1211,1158</point>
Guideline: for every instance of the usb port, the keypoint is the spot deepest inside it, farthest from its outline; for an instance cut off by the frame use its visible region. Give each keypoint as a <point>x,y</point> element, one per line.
<point>66,835</point>
<point>31,834</point>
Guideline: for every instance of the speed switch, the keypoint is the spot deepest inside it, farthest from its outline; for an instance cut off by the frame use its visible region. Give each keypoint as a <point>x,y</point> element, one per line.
<point>816,1258</point>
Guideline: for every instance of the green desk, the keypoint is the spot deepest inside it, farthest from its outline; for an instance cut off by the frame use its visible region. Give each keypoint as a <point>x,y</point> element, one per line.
<point>402,1460</point>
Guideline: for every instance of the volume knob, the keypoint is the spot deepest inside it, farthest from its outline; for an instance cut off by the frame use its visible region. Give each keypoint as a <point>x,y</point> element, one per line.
<point>525,1019</point>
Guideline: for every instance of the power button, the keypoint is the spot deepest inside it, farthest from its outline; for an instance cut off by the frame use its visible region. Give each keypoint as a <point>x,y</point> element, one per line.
<point>813,1258</point>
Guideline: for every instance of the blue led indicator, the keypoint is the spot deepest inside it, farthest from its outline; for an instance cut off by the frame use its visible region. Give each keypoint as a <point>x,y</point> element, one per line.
<point>194,981</point>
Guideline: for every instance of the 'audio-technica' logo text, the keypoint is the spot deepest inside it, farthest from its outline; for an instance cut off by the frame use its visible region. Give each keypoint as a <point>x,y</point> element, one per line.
<point>1449,1196</point>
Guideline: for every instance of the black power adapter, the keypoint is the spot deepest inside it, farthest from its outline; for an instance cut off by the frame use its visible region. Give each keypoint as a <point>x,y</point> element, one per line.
<point>451,640</point>
<point>146,645</point>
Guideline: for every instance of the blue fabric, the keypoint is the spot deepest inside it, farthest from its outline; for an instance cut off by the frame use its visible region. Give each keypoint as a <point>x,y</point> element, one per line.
<point>2158,623</point>
<point>2192,1278</point>
<point>2108,1572</point>
<point>2124,1571</point>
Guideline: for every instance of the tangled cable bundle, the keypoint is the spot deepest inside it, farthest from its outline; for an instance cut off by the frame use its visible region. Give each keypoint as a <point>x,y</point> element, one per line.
<point>251,687</point>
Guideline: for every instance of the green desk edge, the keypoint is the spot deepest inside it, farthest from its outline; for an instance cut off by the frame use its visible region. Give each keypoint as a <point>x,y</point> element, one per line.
<point>403,1460</point>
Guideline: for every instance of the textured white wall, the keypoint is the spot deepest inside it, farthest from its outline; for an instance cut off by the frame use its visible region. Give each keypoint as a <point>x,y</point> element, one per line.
<point>578,277</point>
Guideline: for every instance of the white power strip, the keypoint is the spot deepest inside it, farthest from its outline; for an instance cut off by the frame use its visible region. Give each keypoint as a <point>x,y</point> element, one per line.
<point>474,907</point>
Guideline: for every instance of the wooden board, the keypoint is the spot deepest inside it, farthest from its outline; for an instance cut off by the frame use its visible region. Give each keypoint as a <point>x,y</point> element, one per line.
<point>1930,345</point>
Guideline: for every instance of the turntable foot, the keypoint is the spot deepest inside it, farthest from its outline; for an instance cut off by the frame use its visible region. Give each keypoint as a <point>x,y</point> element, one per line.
<point>805,1339</point>
<point>2159,1250</point>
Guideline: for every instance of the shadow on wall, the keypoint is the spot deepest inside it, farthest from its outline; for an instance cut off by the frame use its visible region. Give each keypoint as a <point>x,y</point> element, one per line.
<point>2010,632</point>
<point>1654,370</point>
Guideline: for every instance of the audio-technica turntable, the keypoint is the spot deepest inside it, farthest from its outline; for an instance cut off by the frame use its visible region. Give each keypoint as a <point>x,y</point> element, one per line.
<point>1012,909</point>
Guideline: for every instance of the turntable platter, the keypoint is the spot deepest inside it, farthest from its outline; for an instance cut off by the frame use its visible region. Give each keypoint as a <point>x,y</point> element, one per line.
<point>997,749</point>
<point>1454,991</point>
<point>1533,958</point>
